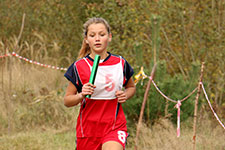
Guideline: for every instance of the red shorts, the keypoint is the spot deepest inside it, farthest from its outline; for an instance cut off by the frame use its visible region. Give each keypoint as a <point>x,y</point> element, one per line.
<point>95,143</point>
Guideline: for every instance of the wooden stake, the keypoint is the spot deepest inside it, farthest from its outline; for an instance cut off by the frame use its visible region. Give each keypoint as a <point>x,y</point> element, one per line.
<point>10,65</point>
<point>10,96</point>
<point>3,65</point>
<point>155,37</point>
<point>3,87</point>
<point>166,108</point>
<point>196,106</point>
<point>143,106</point>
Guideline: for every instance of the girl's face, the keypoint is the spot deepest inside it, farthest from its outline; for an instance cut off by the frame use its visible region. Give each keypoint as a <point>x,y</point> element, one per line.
<point>98,38</point>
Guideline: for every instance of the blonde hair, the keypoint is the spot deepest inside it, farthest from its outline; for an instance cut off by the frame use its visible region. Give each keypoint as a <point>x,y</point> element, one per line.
<point>85,49</point>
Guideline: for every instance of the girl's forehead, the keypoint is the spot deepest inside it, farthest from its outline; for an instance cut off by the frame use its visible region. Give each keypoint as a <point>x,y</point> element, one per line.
<point>97,27</point>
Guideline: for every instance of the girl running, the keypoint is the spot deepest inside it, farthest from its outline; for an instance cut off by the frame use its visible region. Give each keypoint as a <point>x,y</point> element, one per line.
<point>101,124</point>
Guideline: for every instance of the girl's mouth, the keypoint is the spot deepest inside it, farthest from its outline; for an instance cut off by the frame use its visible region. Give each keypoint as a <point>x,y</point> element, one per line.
<point>98,45</point>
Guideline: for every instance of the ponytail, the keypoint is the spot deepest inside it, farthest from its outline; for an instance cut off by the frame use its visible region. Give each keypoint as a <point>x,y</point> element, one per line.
<point>85,49</point>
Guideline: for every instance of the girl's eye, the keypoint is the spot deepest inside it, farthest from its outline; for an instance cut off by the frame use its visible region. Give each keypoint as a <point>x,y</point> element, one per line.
<point>92,35</point>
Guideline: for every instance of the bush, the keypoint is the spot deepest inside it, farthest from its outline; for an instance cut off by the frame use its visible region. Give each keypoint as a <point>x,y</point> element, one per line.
<point>175,87</point>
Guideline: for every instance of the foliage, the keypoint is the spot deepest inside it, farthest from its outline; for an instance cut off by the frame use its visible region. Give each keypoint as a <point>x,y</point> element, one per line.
<point>175,87</point>
<point>189,32</point>
<point>55,23</point>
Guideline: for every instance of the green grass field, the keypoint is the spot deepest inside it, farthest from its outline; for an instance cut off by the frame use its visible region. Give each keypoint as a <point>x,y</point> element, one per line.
<point>162,136</point>
<point>38,140</point>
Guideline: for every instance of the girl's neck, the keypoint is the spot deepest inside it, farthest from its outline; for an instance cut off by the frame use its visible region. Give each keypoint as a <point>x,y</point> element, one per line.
<point>102,56</point>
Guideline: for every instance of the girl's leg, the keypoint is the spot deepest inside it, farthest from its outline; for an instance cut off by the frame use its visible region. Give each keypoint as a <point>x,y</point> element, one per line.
<point>115,140</point>
<point>112,145</point>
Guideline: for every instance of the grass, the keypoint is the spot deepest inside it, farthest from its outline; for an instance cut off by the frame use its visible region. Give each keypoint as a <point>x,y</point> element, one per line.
<point>161,136</point>
<point>38,140</point>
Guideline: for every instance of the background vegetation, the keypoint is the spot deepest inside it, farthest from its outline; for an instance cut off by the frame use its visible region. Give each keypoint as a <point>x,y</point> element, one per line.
<point>185,33</point>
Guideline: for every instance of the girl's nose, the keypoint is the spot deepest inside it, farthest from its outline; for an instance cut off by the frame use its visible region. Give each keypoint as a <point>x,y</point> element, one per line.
<point>97,38</point>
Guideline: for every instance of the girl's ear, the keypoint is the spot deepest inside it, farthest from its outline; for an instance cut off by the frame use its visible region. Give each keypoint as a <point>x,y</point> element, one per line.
<point>86,41</point>
<point>110,37</point>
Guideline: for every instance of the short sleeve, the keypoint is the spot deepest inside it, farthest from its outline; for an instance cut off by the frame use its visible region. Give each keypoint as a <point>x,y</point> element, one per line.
<point>127,71</point>
<point>72,75</point>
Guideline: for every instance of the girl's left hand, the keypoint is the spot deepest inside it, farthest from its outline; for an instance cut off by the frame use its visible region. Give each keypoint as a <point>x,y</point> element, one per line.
<point>122,97</point>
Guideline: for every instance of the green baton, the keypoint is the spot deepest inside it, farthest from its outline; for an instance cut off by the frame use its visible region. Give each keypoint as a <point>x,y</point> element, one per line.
<point>94,71</point>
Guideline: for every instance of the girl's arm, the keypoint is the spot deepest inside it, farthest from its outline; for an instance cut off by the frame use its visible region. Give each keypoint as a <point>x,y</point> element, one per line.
<point>72,97</point>
<point>130,90</point>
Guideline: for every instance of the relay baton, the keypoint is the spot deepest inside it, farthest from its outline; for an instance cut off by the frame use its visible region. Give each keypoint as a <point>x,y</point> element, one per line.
<point>94,71</point>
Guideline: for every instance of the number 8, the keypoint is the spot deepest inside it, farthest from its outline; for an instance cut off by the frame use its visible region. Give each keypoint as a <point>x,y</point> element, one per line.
<point>122,136</point>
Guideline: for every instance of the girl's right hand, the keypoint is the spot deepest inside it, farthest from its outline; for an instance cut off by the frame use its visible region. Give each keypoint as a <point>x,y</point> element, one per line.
<point>87,89</point>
